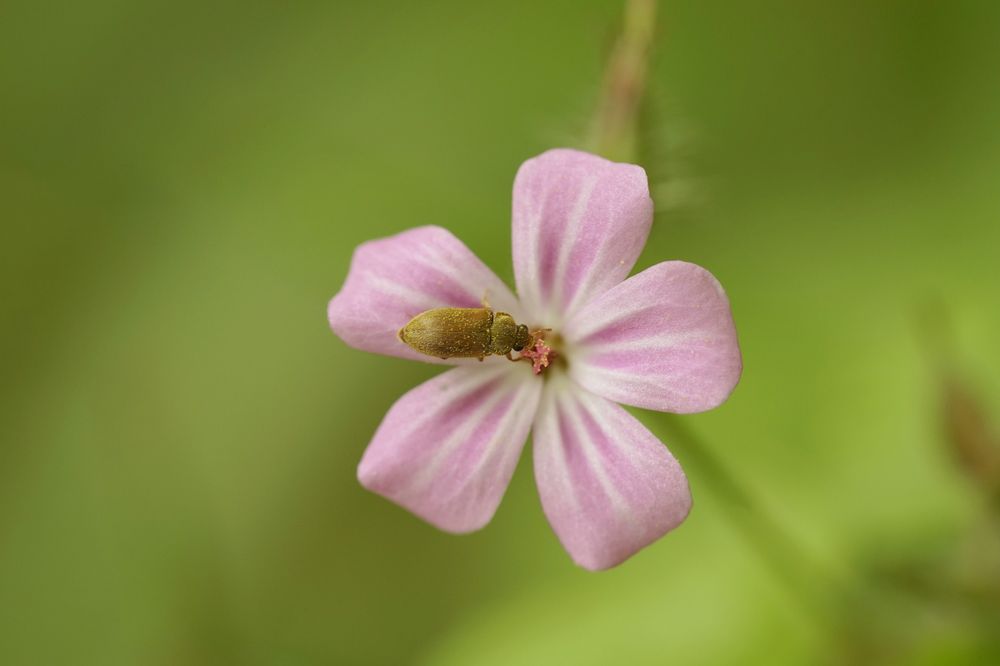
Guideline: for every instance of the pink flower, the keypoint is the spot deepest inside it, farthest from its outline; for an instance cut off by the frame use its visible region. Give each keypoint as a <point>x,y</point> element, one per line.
<point>663,339</point>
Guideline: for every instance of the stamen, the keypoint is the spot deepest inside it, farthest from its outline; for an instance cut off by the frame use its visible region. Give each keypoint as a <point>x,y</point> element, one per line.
<point>540,355</point>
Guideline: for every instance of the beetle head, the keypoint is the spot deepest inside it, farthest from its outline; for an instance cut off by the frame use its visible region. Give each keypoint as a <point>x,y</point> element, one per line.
<point>521,338</point>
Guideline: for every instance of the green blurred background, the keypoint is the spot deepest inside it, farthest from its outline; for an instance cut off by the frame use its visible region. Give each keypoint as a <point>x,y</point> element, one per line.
<point>182,185</point>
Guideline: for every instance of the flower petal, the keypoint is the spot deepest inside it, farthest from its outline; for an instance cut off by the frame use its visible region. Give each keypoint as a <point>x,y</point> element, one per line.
<point>447,449</point>
<point>580,223</point>
<point>608,486</point>
<point>663,339</point>
<point>391,280</point>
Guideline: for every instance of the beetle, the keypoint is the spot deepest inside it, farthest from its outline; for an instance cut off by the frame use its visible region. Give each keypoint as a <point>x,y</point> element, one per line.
<point>465,333</point>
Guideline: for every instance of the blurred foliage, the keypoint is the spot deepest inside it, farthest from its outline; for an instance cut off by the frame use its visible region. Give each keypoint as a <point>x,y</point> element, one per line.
<point>181,187</point>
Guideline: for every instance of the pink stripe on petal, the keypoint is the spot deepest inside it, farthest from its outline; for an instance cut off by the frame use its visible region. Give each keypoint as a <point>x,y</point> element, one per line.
<point>393,279</point>
<point>447,449</point>
<point>663,339</point>
<point>580,223</point>
<point>608,486</point>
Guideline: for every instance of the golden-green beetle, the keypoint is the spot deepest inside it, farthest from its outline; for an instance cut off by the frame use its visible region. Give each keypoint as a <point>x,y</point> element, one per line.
<point>465,333</point>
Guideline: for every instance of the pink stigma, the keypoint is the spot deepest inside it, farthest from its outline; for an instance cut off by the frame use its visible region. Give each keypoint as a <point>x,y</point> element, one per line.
<point>540,355</point>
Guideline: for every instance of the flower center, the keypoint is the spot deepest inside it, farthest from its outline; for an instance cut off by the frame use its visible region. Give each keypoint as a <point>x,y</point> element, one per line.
<point>538,352</point>
<point>540,356</point>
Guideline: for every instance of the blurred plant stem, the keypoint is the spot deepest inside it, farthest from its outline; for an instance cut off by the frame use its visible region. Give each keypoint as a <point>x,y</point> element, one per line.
<point>614,130</point>
<point>614,133</point>
<point>968,432</point>
<point>810,580</point>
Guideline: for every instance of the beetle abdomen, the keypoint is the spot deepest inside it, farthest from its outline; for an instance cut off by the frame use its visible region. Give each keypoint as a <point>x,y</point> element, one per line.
<point>450,332</point>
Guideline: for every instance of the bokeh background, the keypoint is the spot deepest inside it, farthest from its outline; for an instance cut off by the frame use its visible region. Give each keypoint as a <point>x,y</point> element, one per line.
<point>182,185</point>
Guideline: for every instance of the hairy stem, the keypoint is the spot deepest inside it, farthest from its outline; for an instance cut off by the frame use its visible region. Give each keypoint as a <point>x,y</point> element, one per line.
<point>615,127</point>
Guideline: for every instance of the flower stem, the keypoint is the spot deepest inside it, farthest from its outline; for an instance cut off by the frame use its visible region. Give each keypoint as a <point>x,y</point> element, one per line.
<point>810,580</point>
<point>615,127</point>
